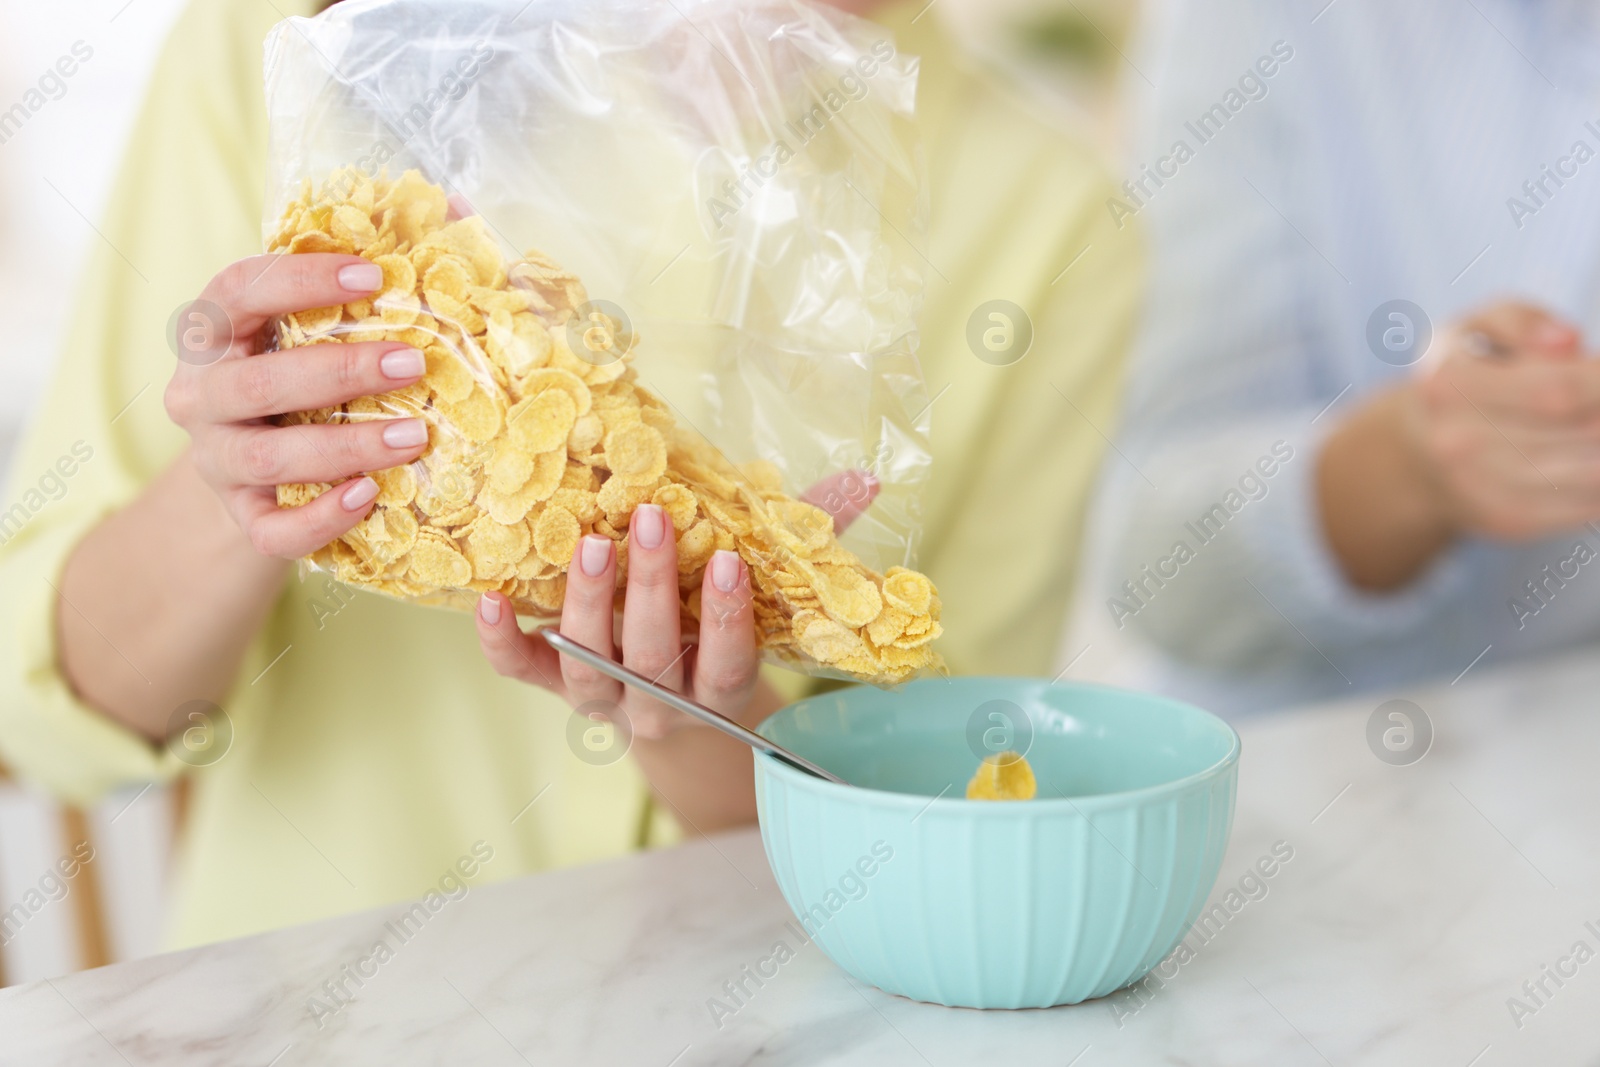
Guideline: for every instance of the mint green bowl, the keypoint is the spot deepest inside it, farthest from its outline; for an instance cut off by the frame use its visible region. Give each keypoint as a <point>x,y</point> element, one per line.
<point>981,904</point>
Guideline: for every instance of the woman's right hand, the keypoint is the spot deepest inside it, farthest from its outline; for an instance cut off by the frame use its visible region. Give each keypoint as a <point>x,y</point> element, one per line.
<point>227,389</point>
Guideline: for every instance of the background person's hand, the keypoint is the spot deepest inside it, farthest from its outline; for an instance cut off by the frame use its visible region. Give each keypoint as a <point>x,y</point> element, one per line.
<point>227,388</point>
<point>1507,420</point>
<point>720,671</point>
<point>1499,436</point>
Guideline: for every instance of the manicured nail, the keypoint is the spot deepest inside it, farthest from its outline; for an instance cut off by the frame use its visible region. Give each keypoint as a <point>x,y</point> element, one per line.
<point>489,609</point>
<point>649,525</point>
<point>362,492</point>
<point>1552,333</point>
<point>403,363</point>
<point>593,554</point>
<point>405,433</point>
<point>361,277</point>
<point>725,570</point>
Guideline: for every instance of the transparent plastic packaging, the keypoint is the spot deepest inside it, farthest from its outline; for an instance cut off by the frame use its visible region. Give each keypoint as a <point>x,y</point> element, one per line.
<point>664,248</point>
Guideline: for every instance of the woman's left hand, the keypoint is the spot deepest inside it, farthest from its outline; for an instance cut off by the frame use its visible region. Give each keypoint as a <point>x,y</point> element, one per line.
<point>721,671</point>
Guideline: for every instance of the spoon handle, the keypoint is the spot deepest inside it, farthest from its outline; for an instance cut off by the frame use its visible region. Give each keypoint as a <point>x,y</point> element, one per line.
<point>612,669</point>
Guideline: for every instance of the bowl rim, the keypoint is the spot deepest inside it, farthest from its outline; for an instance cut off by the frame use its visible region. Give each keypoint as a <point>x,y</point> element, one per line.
<point>888,798</point>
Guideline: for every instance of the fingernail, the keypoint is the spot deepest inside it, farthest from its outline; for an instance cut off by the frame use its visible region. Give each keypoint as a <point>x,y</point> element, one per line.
<point>405,433</point>
<point>593,555</point>
<point>489,609</point>
<point>1552,333</point>
<point>361,277</point>
<point>362,492</point>
<point>649,525</point>
<point>403,363</point>
<point>725,570</point>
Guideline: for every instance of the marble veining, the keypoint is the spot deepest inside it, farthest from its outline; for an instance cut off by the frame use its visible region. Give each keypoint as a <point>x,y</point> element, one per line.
<point>1419,901</point>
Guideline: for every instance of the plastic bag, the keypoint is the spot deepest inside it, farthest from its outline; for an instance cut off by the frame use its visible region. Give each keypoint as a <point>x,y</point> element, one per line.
<point>714,309</point>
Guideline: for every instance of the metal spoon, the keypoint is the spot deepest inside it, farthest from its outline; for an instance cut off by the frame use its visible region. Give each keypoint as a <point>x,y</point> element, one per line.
<point>612,669</point>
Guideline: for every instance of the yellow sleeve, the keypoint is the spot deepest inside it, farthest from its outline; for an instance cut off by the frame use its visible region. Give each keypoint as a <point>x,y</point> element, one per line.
<point>1004,536</point>
<point>187,201</point>
<point>1018,216</point>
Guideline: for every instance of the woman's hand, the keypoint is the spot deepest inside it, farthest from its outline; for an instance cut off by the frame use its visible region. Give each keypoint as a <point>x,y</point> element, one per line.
<point>227,389</point>
<point>719,672</point>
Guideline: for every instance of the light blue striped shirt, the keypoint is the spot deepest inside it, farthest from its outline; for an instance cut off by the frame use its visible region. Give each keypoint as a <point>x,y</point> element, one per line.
<point>1300,166</point>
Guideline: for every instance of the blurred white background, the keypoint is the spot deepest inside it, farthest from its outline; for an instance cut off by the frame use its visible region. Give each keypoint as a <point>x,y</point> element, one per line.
<point>55,173</point>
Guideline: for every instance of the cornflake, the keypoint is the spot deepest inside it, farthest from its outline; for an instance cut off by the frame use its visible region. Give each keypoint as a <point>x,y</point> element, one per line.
<point>532,446</point>
<point>1003,776</point>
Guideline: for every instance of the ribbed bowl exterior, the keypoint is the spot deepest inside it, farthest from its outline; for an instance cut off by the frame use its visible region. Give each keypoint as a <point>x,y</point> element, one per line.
<point>997,905</point>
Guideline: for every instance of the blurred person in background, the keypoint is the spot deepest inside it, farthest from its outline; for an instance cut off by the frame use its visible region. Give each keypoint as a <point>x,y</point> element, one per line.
<point>1362,437</point>
<point>373,747</point>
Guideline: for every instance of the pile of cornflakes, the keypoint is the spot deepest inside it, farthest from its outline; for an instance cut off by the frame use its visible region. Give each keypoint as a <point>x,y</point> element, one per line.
<point>540,433</point>
<point>1003,776</point>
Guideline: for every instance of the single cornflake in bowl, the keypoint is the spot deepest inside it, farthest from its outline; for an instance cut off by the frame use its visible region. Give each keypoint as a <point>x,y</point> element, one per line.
<point>1003,776</point>
<point>532,446</point>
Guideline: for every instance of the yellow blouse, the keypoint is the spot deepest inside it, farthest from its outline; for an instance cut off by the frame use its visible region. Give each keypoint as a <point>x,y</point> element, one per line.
<point>374,749</point>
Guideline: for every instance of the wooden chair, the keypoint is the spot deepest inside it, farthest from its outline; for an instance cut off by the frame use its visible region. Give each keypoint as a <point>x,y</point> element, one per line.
<point>88,907</point>
<point>86,898</point>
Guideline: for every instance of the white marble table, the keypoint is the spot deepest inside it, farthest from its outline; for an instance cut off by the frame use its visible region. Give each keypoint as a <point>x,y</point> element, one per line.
<point>1419,899</point>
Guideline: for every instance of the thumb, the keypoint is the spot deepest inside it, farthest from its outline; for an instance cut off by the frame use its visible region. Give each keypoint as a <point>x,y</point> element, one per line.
<point>844,496</point>
<point>1518,330</point>
<point>1555,340</point>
